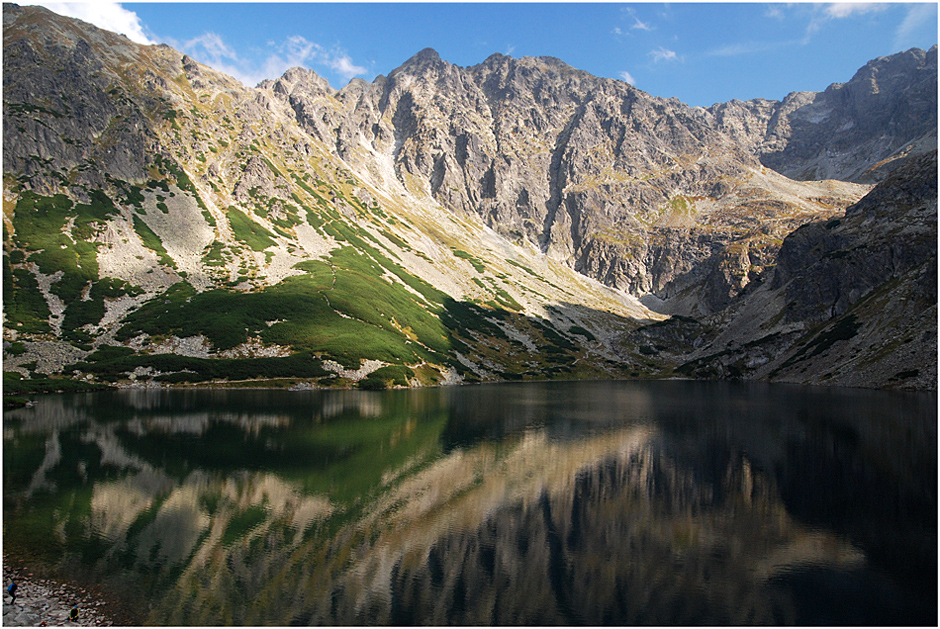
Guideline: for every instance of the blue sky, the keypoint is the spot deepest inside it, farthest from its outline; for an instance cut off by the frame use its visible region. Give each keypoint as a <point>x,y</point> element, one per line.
<point>701,53</point>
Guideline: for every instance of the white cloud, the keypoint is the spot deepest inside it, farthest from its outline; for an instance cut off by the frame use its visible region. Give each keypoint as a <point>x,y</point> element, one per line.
<point>847,9</point>
<point>110,16</point>
<point>343,66</point>
<point>733,50</point>
<point>299,49</point>
<point>212,46</point>
<point>627,77</point>
<point>662,54</point>
<point>773,11</point>
<point>641,26</point>
<point>210,49</point>
<point>296,50</point>
<point>918,16</point>
<point>638,24</point>
<point>838,11</point>
<point>617,31</point>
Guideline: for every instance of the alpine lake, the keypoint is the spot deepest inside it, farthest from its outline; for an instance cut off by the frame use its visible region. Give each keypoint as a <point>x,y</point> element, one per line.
<point>572,503</point>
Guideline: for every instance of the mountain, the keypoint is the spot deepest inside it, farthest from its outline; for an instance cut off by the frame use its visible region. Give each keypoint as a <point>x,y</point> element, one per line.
<point>515,219</point>
<point>860,130</point>
<point>644,194</point>
<point>851,301</point>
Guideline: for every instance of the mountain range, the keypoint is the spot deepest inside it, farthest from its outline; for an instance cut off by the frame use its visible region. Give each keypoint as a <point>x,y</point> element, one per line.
<point>517,219</point>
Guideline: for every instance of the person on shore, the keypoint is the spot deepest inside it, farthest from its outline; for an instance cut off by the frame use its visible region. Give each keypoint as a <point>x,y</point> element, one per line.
<point>73,615</point>
<point>12,590</point>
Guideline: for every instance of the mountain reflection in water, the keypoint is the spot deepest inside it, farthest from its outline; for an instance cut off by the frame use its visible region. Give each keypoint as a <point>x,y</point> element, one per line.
<point>548,503</point>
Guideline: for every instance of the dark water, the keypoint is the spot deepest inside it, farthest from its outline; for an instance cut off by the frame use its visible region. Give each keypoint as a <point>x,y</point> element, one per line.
<point>665,503</point>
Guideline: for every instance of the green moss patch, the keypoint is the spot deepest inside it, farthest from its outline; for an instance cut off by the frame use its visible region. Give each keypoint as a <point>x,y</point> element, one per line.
<point>150,240</point>
<point>24,308</point>
<point>248,231</point>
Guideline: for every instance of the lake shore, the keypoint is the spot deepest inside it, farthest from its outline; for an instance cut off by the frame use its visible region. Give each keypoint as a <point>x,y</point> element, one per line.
<point>46,602</point>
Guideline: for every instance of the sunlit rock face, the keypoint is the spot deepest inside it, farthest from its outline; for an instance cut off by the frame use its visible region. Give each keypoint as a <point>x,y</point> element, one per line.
<point>851,301</point>
<point>645,194</point>
<point>860,130</point>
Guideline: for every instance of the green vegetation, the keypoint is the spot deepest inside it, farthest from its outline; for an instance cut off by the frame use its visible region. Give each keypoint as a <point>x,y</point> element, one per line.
<point>29,108</point>
<point>577,329</point>
<point>320,314</point>
<point>504,300</point>
<point>213,256</point>
<point>115,363</point>
<point>16,348</point>
<point>372,384</point>
<point>16,384</point>
<point>398,242</point>
<point>305,308</point>
<point>526,269</point>
<point>477,263</point>
<point>396,374</point>
<point>39,233</point>
<point>248,231</point>
<point>24,307</point>
<point>152,242</point>
<point>844,329</point>
<point>91,310</point>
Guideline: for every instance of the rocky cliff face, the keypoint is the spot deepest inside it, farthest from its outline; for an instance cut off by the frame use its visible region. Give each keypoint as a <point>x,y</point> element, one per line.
<point>851,301</point>
<point>641,193</point>
<point>635,191</point>
<point>860,130</point>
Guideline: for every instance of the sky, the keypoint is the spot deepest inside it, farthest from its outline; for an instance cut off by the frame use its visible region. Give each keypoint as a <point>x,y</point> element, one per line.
<point>700,53</point>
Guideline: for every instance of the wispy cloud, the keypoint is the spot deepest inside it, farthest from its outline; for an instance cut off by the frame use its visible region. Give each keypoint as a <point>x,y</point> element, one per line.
<point>296,50</point>
<point>747,48</point>
<point>209,48</point>
<point>847,9</point>
<point>641,26</point>
<point>342,64</point>
<point>838,11</point>
<point>110,16</point>
<point>774,11</point>
<point>627,77</point>
<point>662,54</point>
<point>638,24</point>
<point>918,15</point>
<point>213,48</point>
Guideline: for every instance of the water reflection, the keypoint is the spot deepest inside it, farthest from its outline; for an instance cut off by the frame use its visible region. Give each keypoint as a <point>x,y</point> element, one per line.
<point>553,503</point>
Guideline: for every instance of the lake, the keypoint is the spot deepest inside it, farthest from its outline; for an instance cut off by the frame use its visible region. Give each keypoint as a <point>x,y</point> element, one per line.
<point>574,503</point>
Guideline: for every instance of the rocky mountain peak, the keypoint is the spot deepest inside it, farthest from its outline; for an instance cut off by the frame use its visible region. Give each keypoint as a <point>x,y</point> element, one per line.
<point>859,130</point>
<point>424,61</point>
<point>298,79</point>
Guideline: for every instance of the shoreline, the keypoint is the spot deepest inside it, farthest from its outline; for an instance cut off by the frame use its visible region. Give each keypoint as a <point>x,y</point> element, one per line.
<point>42,601</point>
<point>19,399</point>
